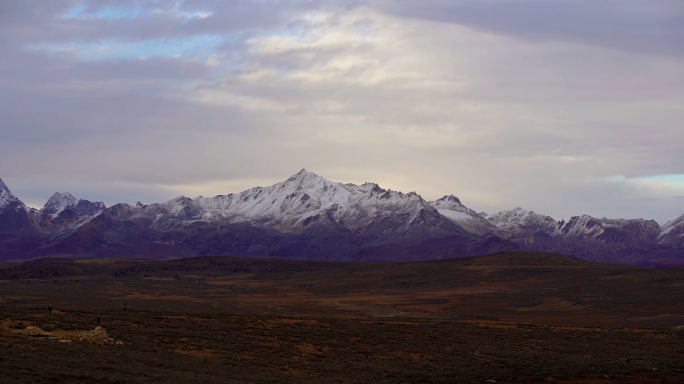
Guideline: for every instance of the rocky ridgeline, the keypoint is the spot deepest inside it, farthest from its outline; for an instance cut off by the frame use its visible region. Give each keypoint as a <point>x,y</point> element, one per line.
<point>310,217</point>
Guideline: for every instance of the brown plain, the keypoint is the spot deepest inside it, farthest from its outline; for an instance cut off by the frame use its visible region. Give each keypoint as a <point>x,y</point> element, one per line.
<point>508,318</point>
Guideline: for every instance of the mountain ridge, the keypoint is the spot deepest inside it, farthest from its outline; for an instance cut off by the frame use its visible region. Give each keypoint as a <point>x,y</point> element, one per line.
<point>309,216</point>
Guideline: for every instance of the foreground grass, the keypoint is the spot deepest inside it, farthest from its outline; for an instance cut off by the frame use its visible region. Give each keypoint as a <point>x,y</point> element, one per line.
<point>165,347</point>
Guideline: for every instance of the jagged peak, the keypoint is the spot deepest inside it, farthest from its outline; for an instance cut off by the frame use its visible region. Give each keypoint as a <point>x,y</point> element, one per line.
<point>450,198</point>
<point>302,174</point>
<point>59,201</point>
<point>302,179</point>
<point>6,196</point>
<point>517,211</point>
<point>61,196</point>
<point>63,200</point>
<point>179,199</point>
<point>518,215</point>
<point>3,187</point>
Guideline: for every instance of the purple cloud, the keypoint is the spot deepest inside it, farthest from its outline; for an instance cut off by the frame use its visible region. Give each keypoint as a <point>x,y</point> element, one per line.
<point>649,26</point>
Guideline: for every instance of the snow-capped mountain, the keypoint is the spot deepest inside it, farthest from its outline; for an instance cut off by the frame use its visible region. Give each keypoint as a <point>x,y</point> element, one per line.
<point>58,202</point>
<point>305,216</point>
<point>473,222</point>
<point>521,224</point>
<point>299,195</point>
<point>672,233</point>
<point>519,220</point>
<point>305,204</point>
<point>306,200</point>
<point>524,227</point>
<point>610,230</point>
<point>15,216</point>
<point>310,217</point>
<point>64,200</point>
<point>609,240</point>
<point>6,196</point>
<point>62,215</point>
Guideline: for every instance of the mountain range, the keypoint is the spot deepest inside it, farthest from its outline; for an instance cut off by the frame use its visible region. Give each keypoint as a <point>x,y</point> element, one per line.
<point>310,217</point>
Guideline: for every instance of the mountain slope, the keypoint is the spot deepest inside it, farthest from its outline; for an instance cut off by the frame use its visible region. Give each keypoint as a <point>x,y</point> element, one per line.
<point>6,197</point>
<point>62,215</point>
<point>452,208</point>
<point>306,201</point>
<point>305,216</point>
<point>62,201</point>
<point>304,204</point>
<point>672,233</point>
<point>310,217</point>
<point>15,216</point>
<point>605,240</point>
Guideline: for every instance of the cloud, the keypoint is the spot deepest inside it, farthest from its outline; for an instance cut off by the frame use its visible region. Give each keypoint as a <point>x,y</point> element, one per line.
<point>666,185</point>
<point>502,103</point>
<point>649,26</point>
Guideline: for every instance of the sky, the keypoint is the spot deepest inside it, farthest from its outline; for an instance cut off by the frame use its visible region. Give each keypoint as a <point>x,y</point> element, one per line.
<point>563,107</point>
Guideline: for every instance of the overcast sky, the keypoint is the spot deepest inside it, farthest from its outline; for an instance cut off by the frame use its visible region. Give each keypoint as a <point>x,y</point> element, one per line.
<point>564,107</point>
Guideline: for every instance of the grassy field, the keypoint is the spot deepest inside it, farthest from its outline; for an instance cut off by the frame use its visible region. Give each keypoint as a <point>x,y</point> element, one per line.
<point>505,318</point>
<point>170,347</point>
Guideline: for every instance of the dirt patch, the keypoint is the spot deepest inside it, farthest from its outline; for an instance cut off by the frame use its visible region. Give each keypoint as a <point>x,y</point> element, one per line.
<point>97,336</point>
<point>306,348</point>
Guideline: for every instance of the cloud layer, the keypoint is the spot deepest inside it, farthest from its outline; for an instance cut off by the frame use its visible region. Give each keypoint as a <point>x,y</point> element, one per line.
<point>562,107</point>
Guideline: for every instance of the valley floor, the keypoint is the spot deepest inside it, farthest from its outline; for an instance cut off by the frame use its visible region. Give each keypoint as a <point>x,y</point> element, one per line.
<point>514,317</point>
<point>171,347</point>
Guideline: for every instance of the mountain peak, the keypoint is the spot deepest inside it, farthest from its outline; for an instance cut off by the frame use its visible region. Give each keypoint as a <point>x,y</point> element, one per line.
<point>3,186</point>
<point>301,175</point>
<point>63,196</point>
<point>450,198</point>
<point>451,202</point>
<point>6,196</point>
<point>518,218</point>
<point>59,201</point>
<point>63,200</point>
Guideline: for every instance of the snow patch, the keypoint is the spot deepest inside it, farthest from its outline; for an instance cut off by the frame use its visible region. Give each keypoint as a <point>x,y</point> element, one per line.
<point>6,197</point>
<point>454,215</point>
